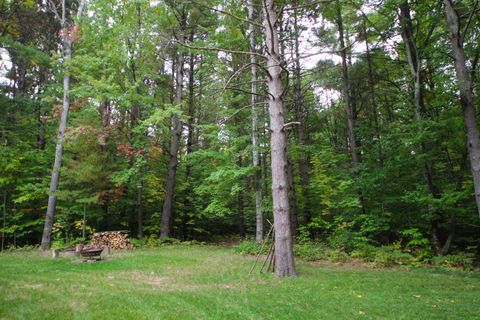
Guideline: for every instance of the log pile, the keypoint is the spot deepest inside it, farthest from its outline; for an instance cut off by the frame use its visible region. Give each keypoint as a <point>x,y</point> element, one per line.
<point>111,239</point>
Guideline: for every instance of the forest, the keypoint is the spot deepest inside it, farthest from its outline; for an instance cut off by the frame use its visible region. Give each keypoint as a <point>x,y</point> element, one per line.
<point>348,124</point>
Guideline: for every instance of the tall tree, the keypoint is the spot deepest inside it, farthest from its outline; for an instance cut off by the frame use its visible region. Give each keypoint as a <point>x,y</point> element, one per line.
<point>69,31</point>
<point>176,131</point>
<point>255,140</point>
<point>284,262</point>
<point>466,91</point>
<point>347,95</point>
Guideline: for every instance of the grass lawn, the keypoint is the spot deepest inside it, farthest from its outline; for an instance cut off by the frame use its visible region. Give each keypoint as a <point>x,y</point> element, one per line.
<point>205,282</point>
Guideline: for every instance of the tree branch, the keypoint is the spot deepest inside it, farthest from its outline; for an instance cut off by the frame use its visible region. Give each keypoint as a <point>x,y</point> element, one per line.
<point>220,50</point>
<point>462,36</point>
<point>229,14</point>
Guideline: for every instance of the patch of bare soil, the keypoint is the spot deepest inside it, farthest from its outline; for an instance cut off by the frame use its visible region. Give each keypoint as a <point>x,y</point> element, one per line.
<point>162,283</point>
<point>355,264</point>
<point>33,286</point>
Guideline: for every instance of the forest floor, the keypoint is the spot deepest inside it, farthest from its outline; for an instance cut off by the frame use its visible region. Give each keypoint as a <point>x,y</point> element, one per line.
<point>208,282</point>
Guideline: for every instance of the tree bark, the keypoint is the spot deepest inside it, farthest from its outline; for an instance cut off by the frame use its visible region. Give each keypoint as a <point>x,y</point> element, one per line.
<point>4,217</point>
<point>352,140</point>
<point>414,63</point>
<point>466,95</point>
<point>292,198</point>
<point>140,207</point>
<point>373,98</point>
<point>303,161</point>
<point>255,148</point>
<point>240,206</point>
<point>174,146</point>
<point>84,222</point>
<point>42,118</point>
<point>284,262</point>
<point>190,137</point>
<point>52,197</point>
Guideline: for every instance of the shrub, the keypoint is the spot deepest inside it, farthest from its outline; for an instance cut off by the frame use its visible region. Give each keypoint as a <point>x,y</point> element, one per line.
<point>388,256</point>
<point>310,251</point>
<point>365,252</point>
<point>347,240</point>
<point>337,255</point>
<point>57,244</point>
<point>314,251</point>
<point>461,260</point>
<point>137,243</point>
<point>251,247</point>
<point>166,240</point>
<point>23,249</point>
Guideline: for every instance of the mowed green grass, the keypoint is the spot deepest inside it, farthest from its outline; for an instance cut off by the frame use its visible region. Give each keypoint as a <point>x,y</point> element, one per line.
<point>207,282</point>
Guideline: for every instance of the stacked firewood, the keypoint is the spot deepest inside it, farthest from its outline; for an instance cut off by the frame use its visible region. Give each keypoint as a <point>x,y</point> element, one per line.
<point>111,239</point>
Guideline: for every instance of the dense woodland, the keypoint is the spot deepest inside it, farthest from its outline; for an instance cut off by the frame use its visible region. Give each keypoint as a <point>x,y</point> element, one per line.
<point>346,122</point>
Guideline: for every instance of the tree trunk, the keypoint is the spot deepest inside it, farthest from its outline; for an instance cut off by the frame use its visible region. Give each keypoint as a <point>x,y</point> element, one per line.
<point>466,96</point>
<point>42,118</point>
<point>52,197</point>
<point>255,152</point>
<point>284,262</point>
<point>352,141</point>
<point>190,138</point>
<point>84,222</point>
<point>240,206</point>
<point>414,63</point>
<point>373,99</point>
<point>174,146</point>
<point>292,198</point>
<point>4,217</point>
<point>140,208</point>
<point>303,161</point>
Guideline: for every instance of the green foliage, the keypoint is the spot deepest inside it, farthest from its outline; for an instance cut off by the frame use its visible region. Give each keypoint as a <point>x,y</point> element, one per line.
<point>462,260</point>
<point>415,240</point>
<point>392,255</point>
<point>251,247</point>
<point>310,251</point>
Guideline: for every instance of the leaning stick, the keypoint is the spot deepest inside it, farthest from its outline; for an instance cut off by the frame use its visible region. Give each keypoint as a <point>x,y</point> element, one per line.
<point>261,249</point>
<point>268,256</point>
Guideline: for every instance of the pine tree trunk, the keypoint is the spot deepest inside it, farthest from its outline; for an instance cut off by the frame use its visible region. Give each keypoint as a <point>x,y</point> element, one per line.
<point>292,198</point>
<point>4,217</point>
<point>240,205</point>
<point>189,147</point>
<point>139,208</point>
<point>303,161</point>
<point>174,146</point>
<point>41,134</point>
<point>373,99</point>
<point>352,140</point>
<point>284,262</point>
<point>255,148</point>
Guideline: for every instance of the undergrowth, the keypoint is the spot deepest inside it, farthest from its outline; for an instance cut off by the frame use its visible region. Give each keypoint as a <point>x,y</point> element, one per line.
<point>375,256</point>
